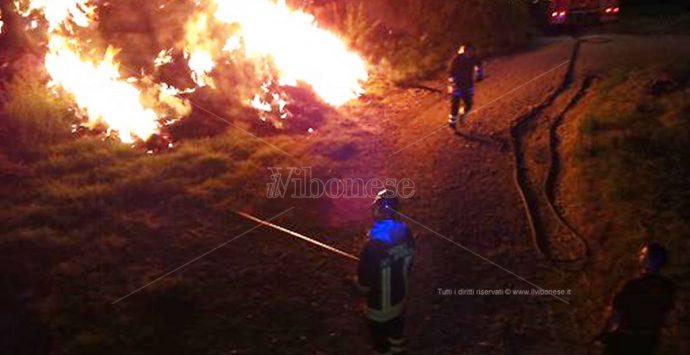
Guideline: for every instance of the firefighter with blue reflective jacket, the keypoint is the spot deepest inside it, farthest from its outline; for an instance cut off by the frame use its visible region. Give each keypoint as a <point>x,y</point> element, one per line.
<point>384,272</point>
<point>465,69</point>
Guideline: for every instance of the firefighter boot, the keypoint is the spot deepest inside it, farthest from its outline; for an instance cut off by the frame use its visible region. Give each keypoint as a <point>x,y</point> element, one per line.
<point>452,121</point>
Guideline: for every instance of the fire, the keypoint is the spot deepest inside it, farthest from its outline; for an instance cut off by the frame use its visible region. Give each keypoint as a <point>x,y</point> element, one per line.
<point>105,97</point>
<point>199,52</point>
<point>201,64</point>
<point>298,48</point>
<point>267,31</point>
<point>164,57</point>
<point>270,101</point>
<point>62,12</point>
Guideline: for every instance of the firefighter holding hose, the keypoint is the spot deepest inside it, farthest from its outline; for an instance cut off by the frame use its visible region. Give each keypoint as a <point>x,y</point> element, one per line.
<point>639,309</point>
<point>384,272</point>
<point>465,69</point>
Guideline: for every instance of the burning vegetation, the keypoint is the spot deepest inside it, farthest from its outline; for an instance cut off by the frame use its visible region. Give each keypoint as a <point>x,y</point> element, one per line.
<point>286,47</point>
<point>221,57</point>
<point>86,218</point>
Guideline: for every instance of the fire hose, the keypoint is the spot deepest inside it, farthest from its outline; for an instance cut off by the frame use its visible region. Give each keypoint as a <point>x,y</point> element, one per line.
<point>297,235</point>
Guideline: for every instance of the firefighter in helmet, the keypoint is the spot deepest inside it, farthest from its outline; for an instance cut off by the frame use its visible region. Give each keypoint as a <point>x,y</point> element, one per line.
<point>465,69</point>
<point>639,308</point>
<point>384,272</point>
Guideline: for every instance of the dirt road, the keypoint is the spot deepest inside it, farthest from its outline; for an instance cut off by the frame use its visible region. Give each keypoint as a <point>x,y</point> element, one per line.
<point>465,192</point>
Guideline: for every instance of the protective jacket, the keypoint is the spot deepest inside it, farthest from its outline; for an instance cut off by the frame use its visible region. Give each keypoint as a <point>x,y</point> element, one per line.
<point>462,70</point>
<point>643,303</point>
<point>384,269</point>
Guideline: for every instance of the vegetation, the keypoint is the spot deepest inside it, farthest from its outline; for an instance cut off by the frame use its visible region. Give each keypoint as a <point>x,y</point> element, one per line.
<point>33,116</point>
<point>94,218</point>
<point>412,39</point>
<point>86,220</point>
<point>631,171</point>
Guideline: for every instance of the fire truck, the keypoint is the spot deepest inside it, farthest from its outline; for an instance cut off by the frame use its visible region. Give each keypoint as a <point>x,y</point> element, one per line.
<point>562,12</point>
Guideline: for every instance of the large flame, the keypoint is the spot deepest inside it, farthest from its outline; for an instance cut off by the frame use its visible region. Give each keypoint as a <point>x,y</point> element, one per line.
<point>97,86</point>
<point>60,12</point>
<point>100,91</point>
<point>299,49</point>
<point>266,30</point>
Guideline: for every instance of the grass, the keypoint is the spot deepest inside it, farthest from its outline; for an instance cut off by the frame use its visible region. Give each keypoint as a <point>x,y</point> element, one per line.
<point>32,116</point>
<point>102,218</point>
<point>91,219</point>
<point>630,126</point>
<point>632,170</point>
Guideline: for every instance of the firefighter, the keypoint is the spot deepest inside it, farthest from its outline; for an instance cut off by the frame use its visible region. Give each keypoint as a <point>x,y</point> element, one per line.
<point>465,68</point>
<point>384,272</point>
<point>639,309</point>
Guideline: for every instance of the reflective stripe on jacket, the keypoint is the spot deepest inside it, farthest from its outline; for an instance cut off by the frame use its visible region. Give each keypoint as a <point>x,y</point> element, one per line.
<point>384,269</point>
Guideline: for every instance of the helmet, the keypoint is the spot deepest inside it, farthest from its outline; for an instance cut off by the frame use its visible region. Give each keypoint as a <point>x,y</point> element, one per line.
<point>466,47</point>
<point>653,256</point>
<point>385,205</point>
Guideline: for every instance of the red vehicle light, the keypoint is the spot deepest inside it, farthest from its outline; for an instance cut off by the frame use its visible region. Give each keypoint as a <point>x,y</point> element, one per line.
<point>562,14</point>
<point>616,9</point>
<point>554,14</point>
<point>608,10</point>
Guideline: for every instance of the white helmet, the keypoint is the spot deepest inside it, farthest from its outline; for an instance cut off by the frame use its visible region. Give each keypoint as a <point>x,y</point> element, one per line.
<point>385,205</point>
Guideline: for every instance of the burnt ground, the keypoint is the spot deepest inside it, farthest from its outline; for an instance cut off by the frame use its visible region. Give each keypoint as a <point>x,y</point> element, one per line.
<point>489,212</point>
